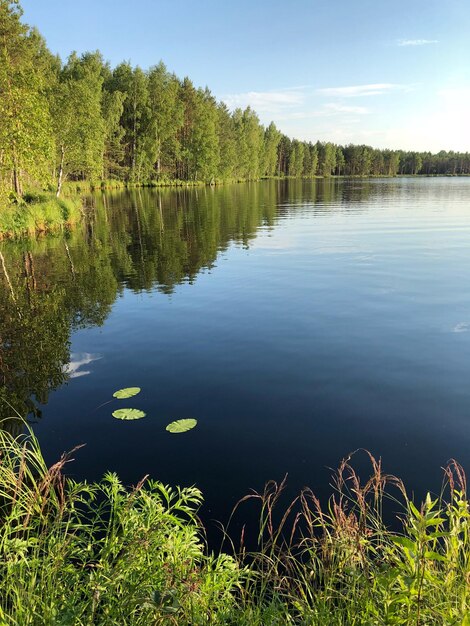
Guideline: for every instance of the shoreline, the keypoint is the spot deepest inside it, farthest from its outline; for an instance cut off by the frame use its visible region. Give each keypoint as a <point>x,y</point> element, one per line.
<point>43,213</point>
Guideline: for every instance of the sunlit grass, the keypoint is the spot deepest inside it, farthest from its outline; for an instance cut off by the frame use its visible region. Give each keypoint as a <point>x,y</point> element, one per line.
<point>41,212</point>
<point>79,553</point>
<point>342,565</point>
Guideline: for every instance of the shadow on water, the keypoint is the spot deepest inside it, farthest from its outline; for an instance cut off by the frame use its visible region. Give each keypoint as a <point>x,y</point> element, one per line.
<point>137,240</point>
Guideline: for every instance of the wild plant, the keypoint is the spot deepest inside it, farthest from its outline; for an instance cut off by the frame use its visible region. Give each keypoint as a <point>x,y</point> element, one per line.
<point>79,553</point>
<point>345,564</point>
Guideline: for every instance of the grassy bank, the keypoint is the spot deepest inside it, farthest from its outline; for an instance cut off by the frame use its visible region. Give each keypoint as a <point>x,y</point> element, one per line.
<point>42,212</point>
<point>77,553</point>
<point>39,213</point>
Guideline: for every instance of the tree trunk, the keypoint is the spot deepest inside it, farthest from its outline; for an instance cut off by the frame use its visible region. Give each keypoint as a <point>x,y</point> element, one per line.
<point>61,171</point>
<point>17,179</point>
<point>72,267</point>
<point>134,135</point>
<point>17,182</point>
<point>2,259</point>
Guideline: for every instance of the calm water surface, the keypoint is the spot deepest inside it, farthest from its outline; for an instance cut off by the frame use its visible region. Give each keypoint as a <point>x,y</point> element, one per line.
<point>296,321</point>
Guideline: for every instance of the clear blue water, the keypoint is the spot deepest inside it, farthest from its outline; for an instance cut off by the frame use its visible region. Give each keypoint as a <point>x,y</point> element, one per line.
<point>296,321</point>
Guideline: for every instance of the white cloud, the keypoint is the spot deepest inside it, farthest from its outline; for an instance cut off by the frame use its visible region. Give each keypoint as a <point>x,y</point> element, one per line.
<point>415,42</point>
<point>266,101</point>
<point>343,108</point>
<point>332,114</point>
<point>326,110</point>
<point>462,327</point>
<point>77,361</point>
<point>354,91</point>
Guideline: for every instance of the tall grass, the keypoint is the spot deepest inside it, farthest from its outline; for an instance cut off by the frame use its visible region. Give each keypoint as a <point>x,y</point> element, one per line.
<point>342,565</point>
<point>78,553</point>
<point>39,212</point>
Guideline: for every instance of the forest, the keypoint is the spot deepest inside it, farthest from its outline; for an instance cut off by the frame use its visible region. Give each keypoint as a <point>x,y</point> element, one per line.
<point>83,120</point>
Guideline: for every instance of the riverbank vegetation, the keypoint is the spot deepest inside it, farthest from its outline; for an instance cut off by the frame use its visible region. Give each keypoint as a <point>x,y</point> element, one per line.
<point>39,213</point>
<point>84,121</point>
<point>79,553</point>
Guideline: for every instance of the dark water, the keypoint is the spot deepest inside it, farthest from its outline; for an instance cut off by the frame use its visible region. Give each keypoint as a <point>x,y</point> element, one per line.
<point>296,322</point>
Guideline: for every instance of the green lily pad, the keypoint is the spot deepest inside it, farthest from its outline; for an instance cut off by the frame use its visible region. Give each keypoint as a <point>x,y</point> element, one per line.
<point>128,414</point>
<point>181,426</point>
<point>128,392</point>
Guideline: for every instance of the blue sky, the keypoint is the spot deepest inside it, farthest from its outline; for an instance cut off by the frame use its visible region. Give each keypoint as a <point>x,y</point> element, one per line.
<point>389,74</point>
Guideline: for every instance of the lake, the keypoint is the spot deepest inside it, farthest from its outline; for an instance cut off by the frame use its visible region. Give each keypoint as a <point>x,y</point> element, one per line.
<point>296,321</point>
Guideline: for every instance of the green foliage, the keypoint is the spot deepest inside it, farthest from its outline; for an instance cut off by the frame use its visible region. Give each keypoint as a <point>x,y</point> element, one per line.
<point>249,136</point>
<point>79,553</point>
<point>327,158</point>
<point>272,137</point>
<point>84,122</point>
<point>39,213</point>
<point>296,162</point>
<point>166,115</point>
<point>79,128</point>
<point>346,566</point>
<point>112,108</point>
<point>25,128</point>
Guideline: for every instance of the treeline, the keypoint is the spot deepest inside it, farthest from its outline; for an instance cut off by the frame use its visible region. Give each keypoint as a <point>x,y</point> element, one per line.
<point>83,120</point>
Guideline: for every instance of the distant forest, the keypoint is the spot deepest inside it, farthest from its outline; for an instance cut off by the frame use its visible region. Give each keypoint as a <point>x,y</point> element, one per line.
<point>84,120</point>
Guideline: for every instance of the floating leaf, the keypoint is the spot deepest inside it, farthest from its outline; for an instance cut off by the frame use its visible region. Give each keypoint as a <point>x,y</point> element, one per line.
<point>128,392</point>
<point>181,426</point>
<point>128,414</point>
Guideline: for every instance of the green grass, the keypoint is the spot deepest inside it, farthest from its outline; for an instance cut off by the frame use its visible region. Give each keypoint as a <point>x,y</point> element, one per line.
<point>77,553</point>
<point>42,212</point>
<point>74,553</point>
<point>38,213</point>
